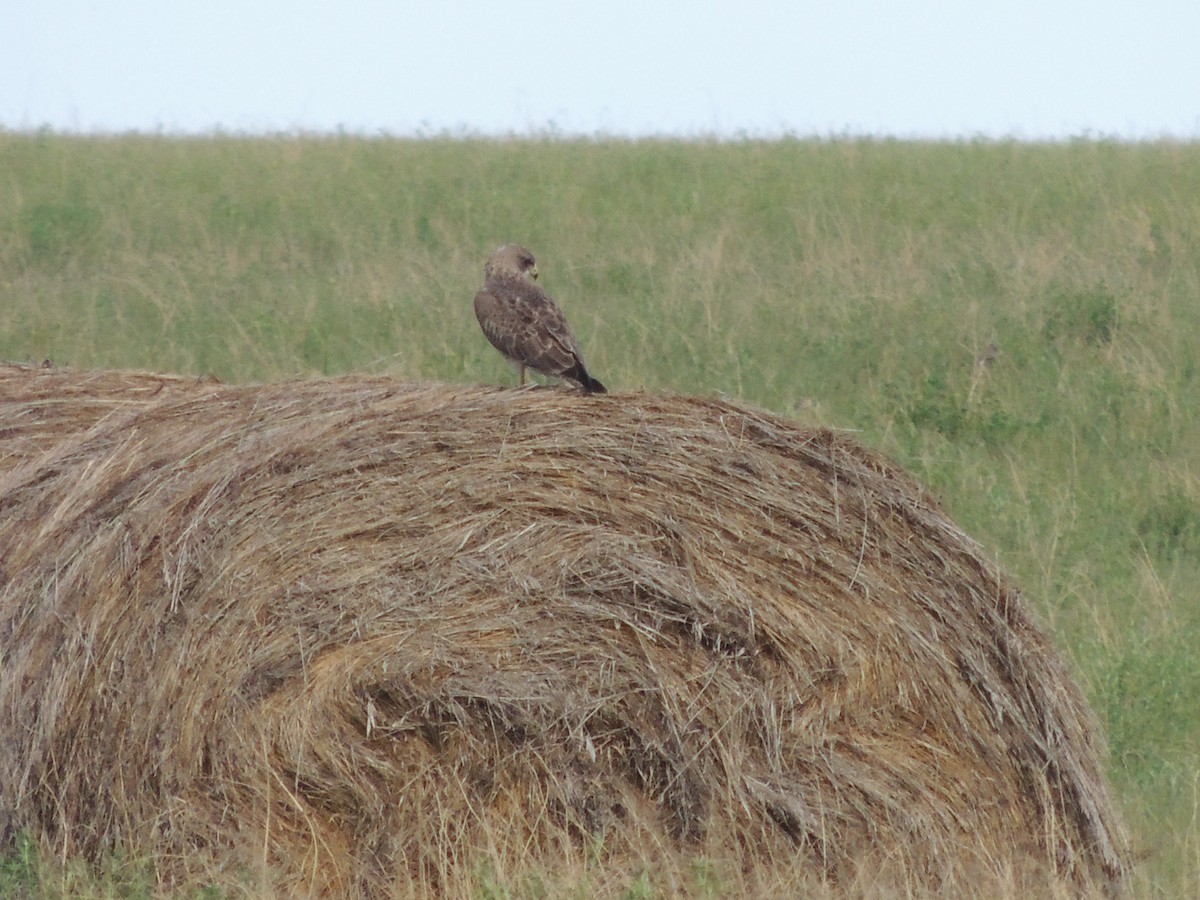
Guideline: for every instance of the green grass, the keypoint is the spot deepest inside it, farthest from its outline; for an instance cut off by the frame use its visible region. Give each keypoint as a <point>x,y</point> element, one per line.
<point>847,282</point>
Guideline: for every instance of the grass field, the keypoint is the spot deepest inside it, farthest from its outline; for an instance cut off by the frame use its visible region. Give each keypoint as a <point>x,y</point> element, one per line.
<point>853,283</point>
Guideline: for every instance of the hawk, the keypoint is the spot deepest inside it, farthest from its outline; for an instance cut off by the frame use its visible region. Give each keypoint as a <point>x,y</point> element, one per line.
<point>525,324</point>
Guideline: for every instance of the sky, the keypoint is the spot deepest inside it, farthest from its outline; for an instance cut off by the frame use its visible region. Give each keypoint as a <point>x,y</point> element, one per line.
<point>940,69</point>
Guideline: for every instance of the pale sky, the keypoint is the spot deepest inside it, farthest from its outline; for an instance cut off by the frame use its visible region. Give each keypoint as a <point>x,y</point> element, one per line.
<point>1030,69</point>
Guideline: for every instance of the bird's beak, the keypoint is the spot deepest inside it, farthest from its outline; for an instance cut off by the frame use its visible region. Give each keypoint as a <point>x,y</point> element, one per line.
<point>533,272</point>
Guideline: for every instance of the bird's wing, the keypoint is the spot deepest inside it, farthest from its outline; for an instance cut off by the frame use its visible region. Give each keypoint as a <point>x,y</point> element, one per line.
<point>525,325</point>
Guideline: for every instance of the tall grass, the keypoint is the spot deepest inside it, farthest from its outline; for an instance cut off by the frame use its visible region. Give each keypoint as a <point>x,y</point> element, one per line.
<point>856,283</point>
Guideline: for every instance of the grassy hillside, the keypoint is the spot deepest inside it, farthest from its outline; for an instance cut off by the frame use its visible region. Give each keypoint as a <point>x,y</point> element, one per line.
<point>852,283</point>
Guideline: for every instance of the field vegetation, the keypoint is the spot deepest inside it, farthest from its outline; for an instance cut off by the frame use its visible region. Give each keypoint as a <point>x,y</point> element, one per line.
<point>1016,324</point>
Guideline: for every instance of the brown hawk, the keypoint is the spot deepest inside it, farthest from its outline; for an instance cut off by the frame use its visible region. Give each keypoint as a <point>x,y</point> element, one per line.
<point>524,323</point>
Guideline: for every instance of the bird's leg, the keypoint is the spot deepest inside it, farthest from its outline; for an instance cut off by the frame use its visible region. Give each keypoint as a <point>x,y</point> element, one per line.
<point>520,367</point>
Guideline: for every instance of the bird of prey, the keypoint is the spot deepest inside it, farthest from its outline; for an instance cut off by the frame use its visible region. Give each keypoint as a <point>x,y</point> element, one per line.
<point>524,323</point>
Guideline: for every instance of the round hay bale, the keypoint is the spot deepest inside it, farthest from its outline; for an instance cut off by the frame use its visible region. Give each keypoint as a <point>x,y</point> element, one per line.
<point>353,637</point>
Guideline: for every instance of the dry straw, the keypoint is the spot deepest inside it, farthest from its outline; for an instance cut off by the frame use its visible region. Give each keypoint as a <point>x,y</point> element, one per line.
<point>360,637</point>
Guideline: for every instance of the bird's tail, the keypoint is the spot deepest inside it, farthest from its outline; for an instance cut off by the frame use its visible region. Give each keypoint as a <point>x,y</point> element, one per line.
<point>580,376</point>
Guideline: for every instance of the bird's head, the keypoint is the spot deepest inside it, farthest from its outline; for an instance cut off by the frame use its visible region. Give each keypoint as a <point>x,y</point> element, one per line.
<point>511,259</point>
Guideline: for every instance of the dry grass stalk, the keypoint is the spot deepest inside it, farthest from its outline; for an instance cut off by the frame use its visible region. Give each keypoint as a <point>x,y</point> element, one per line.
<point>356,636</point>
